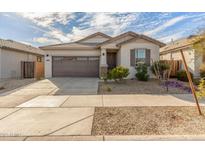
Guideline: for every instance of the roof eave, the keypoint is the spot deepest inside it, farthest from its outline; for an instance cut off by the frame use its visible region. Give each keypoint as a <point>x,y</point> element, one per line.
<point>70,48</point>
<point>35,53</point>
<point>117,37</point>
<point>174,49</point>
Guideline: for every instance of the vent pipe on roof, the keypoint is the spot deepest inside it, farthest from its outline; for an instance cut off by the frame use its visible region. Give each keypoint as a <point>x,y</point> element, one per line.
<point>10,40</point>
<point>172,40</point>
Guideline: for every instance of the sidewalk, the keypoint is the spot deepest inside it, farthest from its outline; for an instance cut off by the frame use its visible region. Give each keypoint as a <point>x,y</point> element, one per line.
<point>71,117</point>
<point>111,100</point>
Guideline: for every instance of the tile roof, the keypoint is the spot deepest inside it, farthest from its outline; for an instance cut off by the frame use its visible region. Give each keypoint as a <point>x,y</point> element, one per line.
<point>182,43</point>
<point>73,45</point>
<point>10,44</point>
<point>79,45</point>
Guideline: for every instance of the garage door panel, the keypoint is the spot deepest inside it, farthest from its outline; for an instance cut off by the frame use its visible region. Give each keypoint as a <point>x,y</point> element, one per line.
<point>75,66</point>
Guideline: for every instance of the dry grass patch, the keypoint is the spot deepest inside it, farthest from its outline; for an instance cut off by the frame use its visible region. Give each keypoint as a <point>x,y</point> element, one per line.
<point>148,121</point>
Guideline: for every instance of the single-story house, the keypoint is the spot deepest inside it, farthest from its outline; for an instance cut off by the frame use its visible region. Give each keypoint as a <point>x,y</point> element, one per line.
<point>95,54</point>
<point>17,58</point>
<point>172,52</point>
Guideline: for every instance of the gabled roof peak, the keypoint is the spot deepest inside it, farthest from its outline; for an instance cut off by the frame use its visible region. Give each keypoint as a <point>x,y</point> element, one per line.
<point>94,35</point>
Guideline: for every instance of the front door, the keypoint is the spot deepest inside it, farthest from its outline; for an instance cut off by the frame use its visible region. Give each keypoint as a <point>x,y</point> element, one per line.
<point>111,60</point>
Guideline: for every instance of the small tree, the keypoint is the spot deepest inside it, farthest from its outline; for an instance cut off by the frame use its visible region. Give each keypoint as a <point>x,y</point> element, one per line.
<point>199,46</point>
<point>162,71</point>
<point>199,43</point>
<point>142,73</point>
<point>202,70</point>
<point>160,68</point>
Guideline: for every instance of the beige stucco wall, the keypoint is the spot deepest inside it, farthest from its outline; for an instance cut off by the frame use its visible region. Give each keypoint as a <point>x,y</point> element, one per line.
<point>124,57</point>
<point>193,60</point>
<point>50,53</point>
<point>118,61</point>
<point>11,62</point>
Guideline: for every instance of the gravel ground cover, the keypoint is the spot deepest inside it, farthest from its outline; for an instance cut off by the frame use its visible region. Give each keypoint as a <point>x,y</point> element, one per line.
<point>140,87</point>
<point>148,121</point>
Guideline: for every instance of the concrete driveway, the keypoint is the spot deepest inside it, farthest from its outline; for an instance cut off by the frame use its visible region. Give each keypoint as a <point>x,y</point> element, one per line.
<point>75,86</point>
<point>53,86</point>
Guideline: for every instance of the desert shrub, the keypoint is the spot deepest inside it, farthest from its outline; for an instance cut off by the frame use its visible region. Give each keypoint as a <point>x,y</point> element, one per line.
<point>201,88</point>
<point>109,75</point>
<point>182,76</point>
<point>202,70</point>
<point>104,79</point>
<point>109,89</point>
<point>142,73</point>
<point>119,73</point>
<point>160,66</point>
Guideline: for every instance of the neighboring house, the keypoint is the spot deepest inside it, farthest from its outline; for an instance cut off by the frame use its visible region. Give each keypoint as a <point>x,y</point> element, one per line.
<point>172,52</point>
<point>12,54</point>
<point>94,55</point>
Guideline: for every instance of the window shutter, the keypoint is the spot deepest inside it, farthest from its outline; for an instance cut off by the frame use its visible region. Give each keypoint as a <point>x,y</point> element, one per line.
<point>148,53</point>
<point>132,57</point>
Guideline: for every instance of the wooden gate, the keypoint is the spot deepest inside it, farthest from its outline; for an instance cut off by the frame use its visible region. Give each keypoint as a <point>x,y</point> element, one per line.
<point>39,70</point>
<point>27,69</point>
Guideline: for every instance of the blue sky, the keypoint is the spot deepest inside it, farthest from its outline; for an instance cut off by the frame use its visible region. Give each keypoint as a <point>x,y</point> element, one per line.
<point>42,28</point>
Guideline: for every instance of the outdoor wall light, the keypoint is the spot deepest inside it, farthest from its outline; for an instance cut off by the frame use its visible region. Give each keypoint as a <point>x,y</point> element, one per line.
<point>103,54</point>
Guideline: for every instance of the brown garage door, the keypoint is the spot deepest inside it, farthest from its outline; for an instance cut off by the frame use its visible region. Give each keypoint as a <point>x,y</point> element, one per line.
<point>75,66</point>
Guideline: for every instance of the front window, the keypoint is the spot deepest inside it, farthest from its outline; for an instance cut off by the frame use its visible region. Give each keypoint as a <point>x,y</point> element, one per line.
<point>140,55</point>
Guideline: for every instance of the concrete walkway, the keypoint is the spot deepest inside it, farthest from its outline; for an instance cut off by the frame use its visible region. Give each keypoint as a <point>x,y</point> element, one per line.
<point>45,121</point>
<point>70,117</point>
<point>111,101</point>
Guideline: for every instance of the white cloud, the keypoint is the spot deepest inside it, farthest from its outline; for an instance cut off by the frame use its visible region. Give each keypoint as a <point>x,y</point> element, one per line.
<point>173,37</point>
<point>48,19</point>
<point>167,24</point>
<point>57,34</point>
<point>45,40</point>
<point>108,23</point>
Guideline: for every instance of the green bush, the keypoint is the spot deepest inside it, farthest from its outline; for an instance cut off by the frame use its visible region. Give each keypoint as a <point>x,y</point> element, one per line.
<point>118,73</point>
<point>142,73</point>
<point>202,70</point>
<point>201,88</point>
<point>159,66</point>
<point>182,76</point>
<point>109,75</point>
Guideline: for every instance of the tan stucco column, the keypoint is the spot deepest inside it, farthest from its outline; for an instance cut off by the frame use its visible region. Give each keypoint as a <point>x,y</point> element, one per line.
<point>103,63</point>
